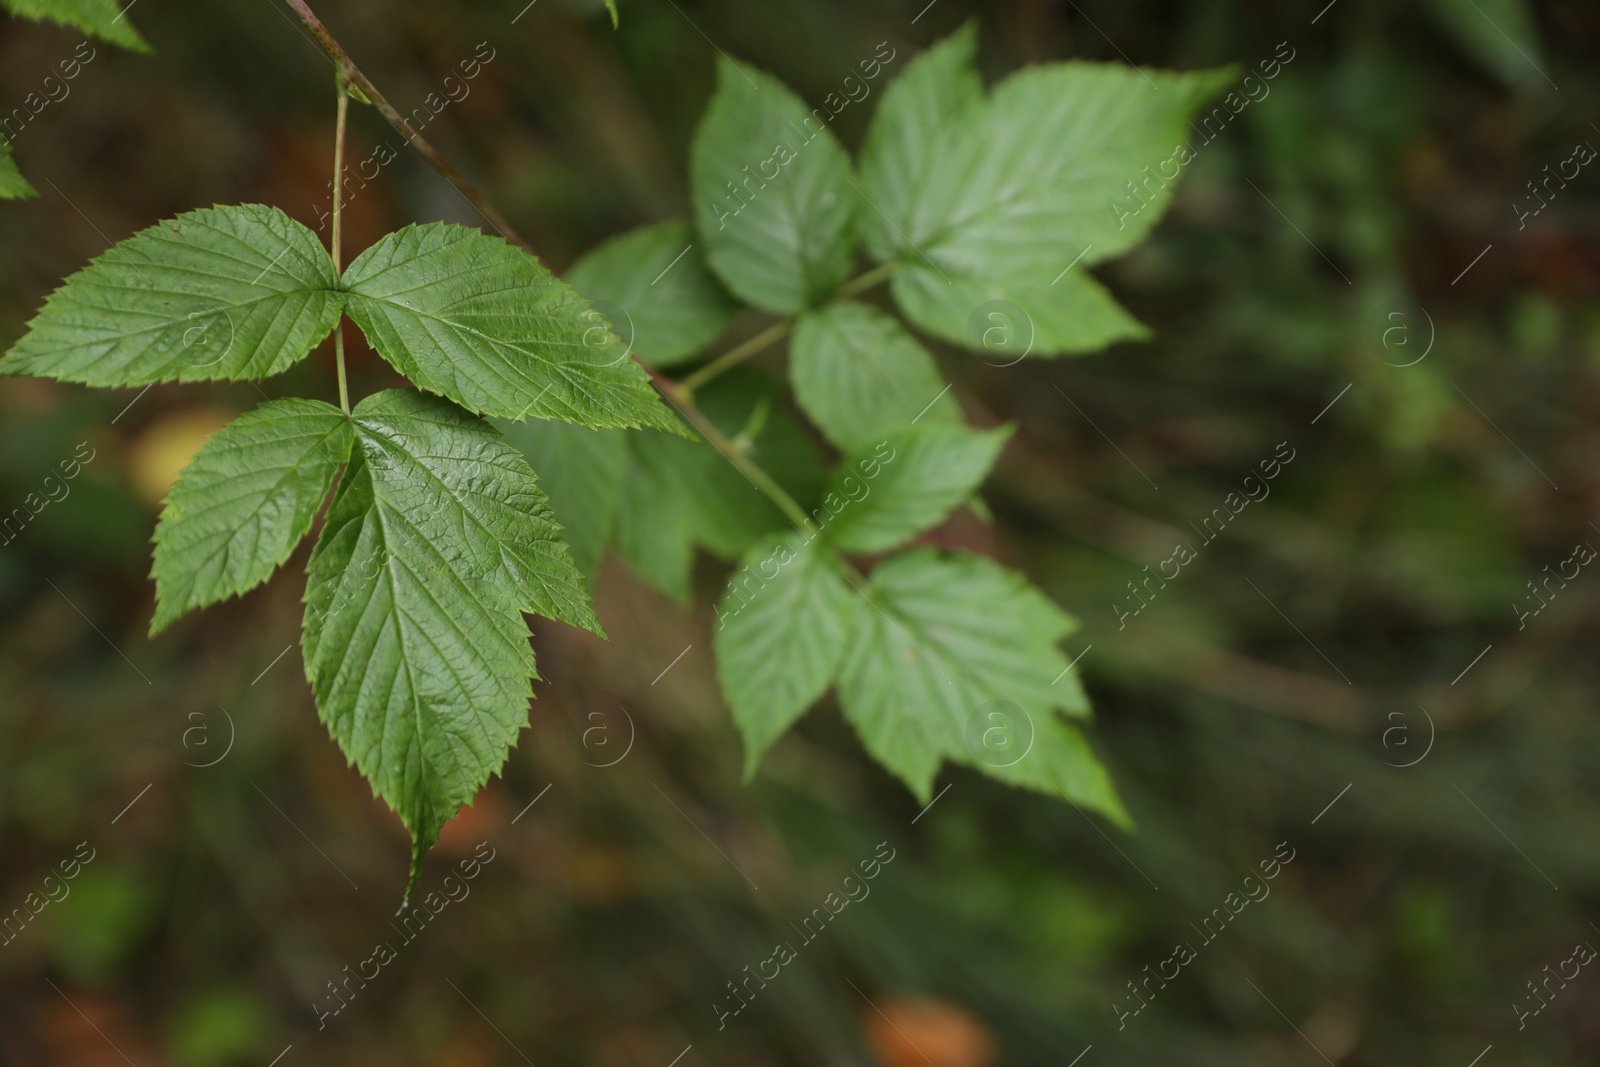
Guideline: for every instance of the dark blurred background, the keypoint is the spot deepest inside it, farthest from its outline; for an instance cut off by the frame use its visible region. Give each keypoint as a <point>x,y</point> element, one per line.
<point>1353,673</point>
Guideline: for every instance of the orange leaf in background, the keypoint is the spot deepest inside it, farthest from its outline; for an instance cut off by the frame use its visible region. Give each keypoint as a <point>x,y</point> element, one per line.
<point>92,1029</point>
<point>480,821</point>
<point>918,1032</point>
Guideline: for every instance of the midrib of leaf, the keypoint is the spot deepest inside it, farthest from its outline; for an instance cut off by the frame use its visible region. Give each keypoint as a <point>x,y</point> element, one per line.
<point>1021,191</point>
<point>404,622</point>
<point>874,598</point>
<point>168,323</point>
<point>513,566</point>
<point>865,355</point>
<point>566,371</point>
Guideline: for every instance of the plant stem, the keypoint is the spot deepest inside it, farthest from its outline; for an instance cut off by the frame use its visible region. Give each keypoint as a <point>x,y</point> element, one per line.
<point>367,91</point>
<point>337,240</point>
<point>737,354</point>
<point>867,279</point>
<point>778,330</point>
<point>735,455</point>
<point>670,389</point>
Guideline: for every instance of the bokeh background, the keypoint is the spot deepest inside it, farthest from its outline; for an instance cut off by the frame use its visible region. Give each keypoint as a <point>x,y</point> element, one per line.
<point>1352,673</point>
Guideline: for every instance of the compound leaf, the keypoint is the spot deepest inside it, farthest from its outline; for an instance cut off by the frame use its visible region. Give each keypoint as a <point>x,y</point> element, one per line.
<point>997,200</point>
<point>221,293</point>
<point>884,495</point>
<point>781,632</point>
<point>102,18</point>
<point>482,322</point>
<point>857,372</point>
<point>246,500</point>
<point>437,539</point>
<point>653,285</point>
<point>773,195</point>
<point>1036,177</point>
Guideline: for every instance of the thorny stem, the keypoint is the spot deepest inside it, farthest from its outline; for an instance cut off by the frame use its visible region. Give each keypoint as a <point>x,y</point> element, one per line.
<point>778,330</point>
<point>368,92</point>
<point>336,241</point>
<point>670,389</point>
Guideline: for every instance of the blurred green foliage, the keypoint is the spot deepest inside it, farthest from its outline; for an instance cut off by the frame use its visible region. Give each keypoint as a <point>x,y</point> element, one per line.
<point>1387,156</point>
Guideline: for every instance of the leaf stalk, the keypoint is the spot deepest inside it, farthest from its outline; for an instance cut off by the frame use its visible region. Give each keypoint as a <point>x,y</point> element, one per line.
<point>780,329</point>
<point>336,241</point>
<point>362,87</point>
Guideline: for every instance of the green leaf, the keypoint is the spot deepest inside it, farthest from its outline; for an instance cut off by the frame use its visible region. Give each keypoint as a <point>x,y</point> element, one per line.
<point>611,6</point>
<point>657,518</point>
<point>220,293</point>
<point>937,91</point>
<point>1037,174</point>
<point>103,18</point>
<point>884,495</point>
<point>477,320</point>
<point>1005,321</point>
<point>782,626</point>
<point>857,373</point>
<point>436,541</point>
<point>13,186</point>
<point>471,492</point>
<point>942,644</point>
<point>582,470</point>
<point>654,287</point>
<point>1051,756</point>
<point>1002,204</point>
<point>243,504</point>
<point>773,195</point>
<point>678,496</point>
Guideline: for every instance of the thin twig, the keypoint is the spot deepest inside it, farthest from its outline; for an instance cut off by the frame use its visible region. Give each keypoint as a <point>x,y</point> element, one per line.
<point>368,92</point>
<point>736,455</point>
<point>673,392</point>
<point>738,354</point>
<point>780,329</point>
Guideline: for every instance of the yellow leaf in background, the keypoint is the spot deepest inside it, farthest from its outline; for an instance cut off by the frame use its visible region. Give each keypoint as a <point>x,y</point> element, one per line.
<point>166,446</point>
